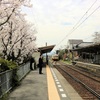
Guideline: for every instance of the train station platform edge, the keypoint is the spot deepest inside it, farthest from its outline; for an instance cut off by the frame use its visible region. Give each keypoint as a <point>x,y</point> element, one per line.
<point>50,85</point>
<point>52,90</point>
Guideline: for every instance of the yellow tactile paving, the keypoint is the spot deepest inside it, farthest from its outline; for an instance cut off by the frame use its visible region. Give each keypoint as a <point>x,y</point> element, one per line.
<point>52,90</point>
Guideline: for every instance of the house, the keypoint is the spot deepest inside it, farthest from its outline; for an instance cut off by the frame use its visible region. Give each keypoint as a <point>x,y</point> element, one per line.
<point>73,42</point>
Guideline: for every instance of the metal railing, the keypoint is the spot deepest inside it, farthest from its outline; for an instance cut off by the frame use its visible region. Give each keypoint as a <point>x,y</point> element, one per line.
<point>6,78</point>
<point>5,82</point>
<point>23,70</point>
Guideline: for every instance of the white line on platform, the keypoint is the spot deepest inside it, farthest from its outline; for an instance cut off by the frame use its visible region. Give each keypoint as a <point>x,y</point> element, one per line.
<point>61,90</point>
<point>63,95</point>
<point>59,85</point>
<point>54,75</point>
<point>56,79</point>
<point>58,82</point>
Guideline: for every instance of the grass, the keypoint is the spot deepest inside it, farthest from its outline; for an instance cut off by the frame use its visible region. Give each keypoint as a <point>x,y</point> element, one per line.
<point>67,61</point>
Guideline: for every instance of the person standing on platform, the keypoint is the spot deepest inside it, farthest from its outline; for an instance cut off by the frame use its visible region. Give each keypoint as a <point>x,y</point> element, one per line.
<point>40,64</point>
<point>47,59</point>
<point>31,62</point>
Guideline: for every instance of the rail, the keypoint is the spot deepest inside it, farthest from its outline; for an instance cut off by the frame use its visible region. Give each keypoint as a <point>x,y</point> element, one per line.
<point>95,69</point>
<point>87,87</point>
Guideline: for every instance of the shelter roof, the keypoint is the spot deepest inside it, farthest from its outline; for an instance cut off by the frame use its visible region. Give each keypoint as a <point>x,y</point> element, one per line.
<point>46,49</point>
<point>94,48</point>
<point>83,44</point>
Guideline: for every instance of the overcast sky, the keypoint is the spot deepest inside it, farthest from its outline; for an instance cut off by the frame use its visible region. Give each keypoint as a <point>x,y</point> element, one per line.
<point>55,20</point>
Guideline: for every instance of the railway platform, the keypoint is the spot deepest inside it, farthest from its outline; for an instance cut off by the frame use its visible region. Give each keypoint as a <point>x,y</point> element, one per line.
<point>50,85</point>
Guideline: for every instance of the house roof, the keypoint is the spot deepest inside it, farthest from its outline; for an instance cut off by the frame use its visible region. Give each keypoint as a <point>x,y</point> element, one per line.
<point>75,41</point>
<point>46,49</point>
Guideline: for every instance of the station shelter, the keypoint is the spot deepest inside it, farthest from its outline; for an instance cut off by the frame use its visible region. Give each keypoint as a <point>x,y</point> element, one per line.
<point>45,50</point>
<point>41,51</point>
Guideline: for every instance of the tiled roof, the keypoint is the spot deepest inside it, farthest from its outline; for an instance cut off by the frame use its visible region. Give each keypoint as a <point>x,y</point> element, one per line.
<point>94,48</point>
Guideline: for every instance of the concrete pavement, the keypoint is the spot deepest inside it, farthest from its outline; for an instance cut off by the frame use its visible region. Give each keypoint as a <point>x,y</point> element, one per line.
<point>33,87</point>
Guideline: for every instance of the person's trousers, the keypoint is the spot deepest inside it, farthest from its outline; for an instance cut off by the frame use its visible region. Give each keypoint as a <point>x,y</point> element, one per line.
<point>40,70</point>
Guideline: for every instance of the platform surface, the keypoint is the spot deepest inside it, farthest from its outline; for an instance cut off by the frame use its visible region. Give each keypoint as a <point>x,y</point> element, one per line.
<point>50,85</point>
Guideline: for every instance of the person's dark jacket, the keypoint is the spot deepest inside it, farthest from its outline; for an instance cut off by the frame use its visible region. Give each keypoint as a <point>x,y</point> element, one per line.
<point>31,61</point>
<point>40,62</point>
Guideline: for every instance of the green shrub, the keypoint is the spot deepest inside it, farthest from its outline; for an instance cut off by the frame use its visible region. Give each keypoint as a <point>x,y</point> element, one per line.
<point>1,54</point>
<point>11,65</point>
<point>7,65</point>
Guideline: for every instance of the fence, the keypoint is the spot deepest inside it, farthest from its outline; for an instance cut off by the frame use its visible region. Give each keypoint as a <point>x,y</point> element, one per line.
<point>6,78</point>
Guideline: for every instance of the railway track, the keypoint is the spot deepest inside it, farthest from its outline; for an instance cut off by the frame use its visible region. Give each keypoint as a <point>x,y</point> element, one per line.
<point>83,72</point>
<point>89,87</point>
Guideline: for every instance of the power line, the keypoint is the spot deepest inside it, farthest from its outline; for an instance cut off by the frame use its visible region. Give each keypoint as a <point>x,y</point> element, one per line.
<point>85,13</point>
<point>85,19</point>
<point>78,25</point>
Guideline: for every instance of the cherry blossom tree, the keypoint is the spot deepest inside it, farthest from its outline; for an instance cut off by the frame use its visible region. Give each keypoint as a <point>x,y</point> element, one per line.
<point>16,35</point>
<point>9,7</point>
<point>96,37</point>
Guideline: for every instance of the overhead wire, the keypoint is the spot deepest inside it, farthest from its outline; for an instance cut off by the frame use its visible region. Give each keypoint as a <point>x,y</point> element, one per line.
<point>85,14</point>
<point>76,27</point>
